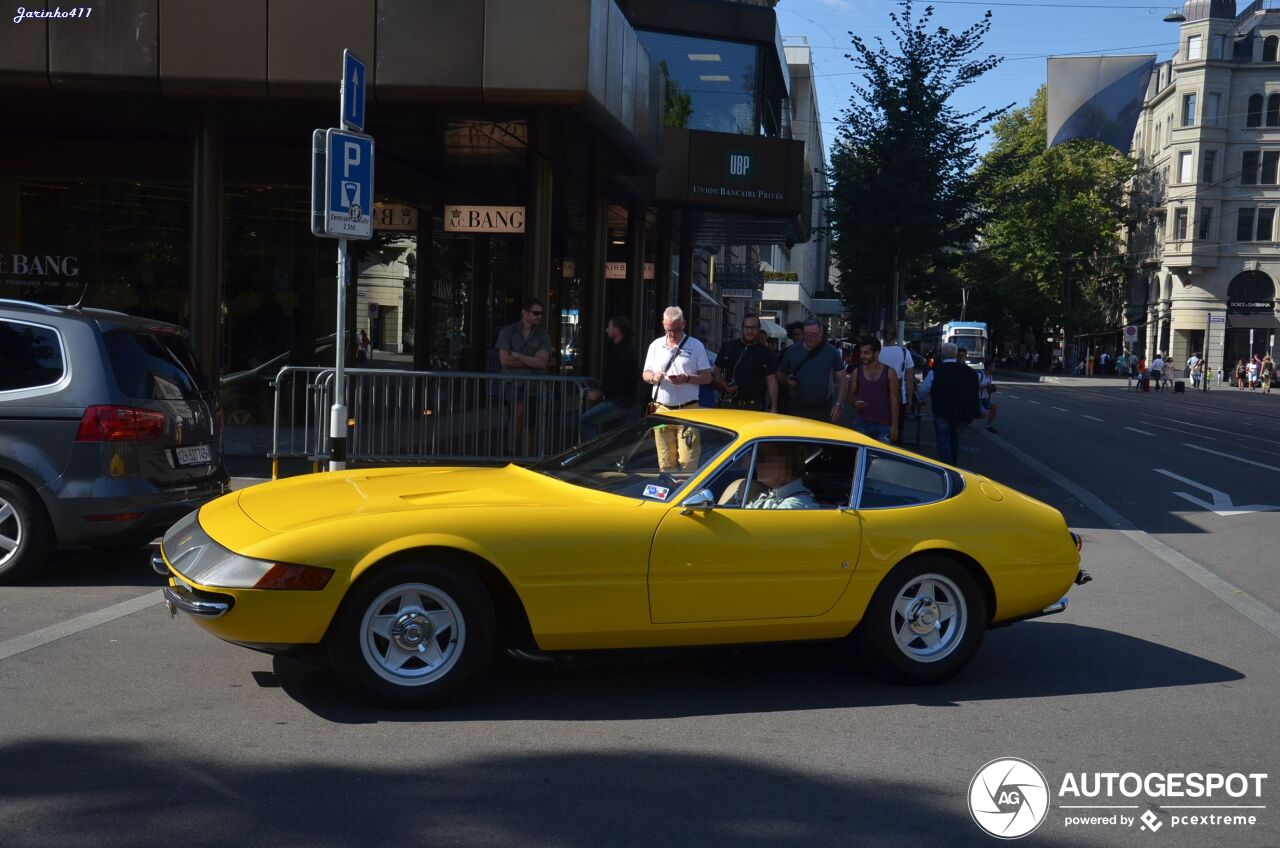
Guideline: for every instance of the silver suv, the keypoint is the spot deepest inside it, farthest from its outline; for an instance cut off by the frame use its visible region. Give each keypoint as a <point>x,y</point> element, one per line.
<point>109,431</point>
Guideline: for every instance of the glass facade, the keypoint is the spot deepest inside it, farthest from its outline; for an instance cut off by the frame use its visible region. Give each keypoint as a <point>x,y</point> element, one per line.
<point>112,244</point>
<point>711,85</point>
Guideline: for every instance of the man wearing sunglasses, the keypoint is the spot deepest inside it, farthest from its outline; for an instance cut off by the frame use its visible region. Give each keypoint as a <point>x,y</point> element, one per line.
<point>524,349</point>
<point>745,371</point>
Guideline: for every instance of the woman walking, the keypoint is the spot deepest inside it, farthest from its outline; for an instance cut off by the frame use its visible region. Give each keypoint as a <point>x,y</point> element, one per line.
<point>1239,374</point>
<point>1268,374</point>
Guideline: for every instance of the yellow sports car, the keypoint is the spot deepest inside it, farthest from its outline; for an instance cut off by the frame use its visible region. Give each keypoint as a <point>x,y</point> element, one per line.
<point>707,527</point>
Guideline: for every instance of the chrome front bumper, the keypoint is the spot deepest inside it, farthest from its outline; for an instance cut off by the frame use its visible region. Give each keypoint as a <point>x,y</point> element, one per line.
<point>178,598</point>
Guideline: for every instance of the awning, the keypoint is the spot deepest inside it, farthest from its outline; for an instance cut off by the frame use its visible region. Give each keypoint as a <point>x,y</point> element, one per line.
<point>708,296</point>
<point>773,329</point>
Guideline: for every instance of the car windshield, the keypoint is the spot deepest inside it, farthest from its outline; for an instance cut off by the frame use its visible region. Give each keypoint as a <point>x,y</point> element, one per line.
<point>651,459</point>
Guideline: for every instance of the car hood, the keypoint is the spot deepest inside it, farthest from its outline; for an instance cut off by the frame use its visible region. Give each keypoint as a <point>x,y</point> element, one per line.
<point>314,499</point>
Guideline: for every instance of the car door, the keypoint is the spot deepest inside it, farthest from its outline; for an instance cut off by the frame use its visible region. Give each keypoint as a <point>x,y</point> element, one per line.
<point>731,563</point>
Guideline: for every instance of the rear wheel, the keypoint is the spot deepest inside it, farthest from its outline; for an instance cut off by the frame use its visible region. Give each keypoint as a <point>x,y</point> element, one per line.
<point>924,622</point>
<point>414,633</point>
<point>25,537</point>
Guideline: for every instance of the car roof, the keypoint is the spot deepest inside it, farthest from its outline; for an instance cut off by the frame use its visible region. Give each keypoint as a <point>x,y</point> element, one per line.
<point>106,318</point>
<point>756,425</point>
<point>766,425</point>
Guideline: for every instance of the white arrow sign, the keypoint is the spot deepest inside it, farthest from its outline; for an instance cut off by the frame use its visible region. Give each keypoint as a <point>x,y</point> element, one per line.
<point>1221,504</point>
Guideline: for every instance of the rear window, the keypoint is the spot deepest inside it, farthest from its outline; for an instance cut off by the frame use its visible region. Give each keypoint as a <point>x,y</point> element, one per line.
<point>154,365</point>
<point>30,356</point>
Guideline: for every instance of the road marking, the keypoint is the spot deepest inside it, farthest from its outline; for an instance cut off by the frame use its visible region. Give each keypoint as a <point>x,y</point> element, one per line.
<point>1176,430</point>
<point>1091,418</point>
<point>1238,599</point>
<point>1060,409</point>
<point>1015,397</point>
<point>1221,505</point>
<point>1232,456</point>
<point>1143,432</point>
<point>1220,430</point>
<point>53,633</point>
<point>1036,402</point>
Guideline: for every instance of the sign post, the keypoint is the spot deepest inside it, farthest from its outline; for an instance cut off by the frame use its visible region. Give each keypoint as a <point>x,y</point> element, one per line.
<point>342,208</point>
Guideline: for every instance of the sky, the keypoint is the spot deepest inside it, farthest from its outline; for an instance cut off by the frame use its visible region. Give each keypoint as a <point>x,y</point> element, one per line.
<point>1025,32</point>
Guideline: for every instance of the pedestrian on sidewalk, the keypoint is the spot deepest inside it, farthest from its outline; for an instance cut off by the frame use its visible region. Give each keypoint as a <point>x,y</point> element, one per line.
<point>987,401</point>
<point>615,401</point>
<point>811,371</point>
<point>675,366</point>
<point>1268,373</point>
<point>524,350</point>
<point>952,388</point>
<point>1252,371</point>
<point>1195,369</point>
<point>745,371</point>
<point>877,397</point>
<point>1157,371</point>
<point>1238,374</point>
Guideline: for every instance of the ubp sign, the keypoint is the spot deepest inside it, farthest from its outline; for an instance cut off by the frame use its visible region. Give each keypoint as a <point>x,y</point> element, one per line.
<point>348,195</point>
<point>739,166</point>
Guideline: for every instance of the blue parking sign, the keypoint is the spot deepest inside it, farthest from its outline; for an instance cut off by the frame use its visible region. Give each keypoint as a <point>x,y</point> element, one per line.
<point>348,211</point>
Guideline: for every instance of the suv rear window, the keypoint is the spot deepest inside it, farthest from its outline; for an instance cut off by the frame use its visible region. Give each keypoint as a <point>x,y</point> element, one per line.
<point>154,365</point>
<point>31,356</point>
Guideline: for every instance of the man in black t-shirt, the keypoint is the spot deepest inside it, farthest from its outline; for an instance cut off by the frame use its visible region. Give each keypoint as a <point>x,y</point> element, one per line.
<point>745,371</point>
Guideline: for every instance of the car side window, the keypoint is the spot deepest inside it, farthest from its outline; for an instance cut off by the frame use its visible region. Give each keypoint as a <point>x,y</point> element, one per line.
<point>892,481</point>
<point>31,354</point>
<point>823,474</point>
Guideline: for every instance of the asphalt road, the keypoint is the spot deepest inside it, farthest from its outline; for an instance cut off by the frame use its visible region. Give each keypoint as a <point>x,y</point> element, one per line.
<point>141,731</point>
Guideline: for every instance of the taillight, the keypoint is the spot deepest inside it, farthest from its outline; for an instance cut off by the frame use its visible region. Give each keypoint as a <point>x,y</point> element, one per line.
<point>282,576</point>
<point>119,424</point>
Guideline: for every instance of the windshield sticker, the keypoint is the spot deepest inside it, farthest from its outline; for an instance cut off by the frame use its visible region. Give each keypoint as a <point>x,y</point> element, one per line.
<point>659,492</point>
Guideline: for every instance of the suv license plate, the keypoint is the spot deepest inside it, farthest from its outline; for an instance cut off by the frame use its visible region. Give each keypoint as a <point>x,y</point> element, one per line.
<point>194,455</point>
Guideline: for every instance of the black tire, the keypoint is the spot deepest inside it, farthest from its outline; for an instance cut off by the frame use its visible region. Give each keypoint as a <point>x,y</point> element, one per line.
<point>445,591</point>
<point>884,638</point>
<point>25,535</point>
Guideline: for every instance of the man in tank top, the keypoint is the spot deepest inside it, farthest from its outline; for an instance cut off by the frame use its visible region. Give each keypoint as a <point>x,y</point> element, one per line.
<point>876,394</point>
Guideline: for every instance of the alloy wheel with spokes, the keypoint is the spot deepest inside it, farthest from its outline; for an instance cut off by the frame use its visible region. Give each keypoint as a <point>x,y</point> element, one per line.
<point>929,620</point>
<point>412,633</point>
<point>25,536</point>
<point>924,622</point>
<point>11,532</point>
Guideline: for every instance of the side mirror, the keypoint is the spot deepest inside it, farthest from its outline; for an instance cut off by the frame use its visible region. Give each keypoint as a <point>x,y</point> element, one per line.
<point>703,499</point>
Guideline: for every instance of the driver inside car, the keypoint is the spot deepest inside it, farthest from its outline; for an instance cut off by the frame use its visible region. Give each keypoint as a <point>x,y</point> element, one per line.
<point>781,468</point>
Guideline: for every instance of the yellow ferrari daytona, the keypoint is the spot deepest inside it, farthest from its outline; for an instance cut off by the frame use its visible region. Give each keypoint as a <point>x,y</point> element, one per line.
<point>708,527</point>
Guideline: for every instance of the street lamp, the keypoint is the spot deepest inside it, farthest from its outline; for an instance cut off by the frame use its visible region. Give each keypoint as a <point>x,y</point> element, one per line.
<point>1175,17</point>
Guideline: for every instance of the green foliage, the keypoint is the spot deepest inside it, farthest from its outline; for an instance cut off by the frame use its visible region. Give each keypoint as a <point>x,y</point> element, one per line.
<point>1050,250</point>
<point>902,165</point>
<point>678,104</point>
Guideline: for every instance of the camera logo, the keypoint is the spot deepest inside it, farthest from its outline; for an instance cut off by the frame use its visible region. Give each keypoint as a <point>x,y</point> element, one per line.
<point>1008,798</point>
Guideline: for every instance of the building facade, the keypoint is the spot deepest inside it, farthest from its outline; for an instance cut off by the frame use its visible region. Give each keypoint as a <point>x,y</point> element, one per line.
<point>572,150</point>
<point>1204,241</point>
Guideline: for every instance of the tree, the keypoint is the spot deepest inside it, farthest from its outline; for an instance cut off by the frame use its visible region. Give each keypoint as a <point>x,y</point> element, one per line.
<point>1050,251</point>
<point>902,165</point>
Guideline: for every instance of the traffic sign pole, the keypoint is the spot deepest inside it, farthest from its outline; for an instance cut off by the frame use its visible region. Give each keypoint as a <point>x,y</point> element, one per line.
<point>348,184</point>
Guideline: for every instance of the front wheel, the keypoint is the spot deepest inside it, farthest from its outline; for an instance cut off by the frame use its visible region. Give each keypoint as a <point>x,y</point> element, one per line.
<point>414,633</point>
<point>924,622</point>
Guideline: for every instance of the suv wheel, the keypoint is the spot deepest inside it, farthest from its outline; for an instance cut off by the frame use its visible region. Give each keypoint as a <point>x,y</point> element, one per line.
<point>25,538</point>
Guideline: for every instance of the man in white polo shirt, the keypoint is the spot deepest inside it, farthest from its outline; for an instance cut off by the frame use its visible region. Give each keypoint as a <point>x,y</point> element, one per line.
<point>675,366</point>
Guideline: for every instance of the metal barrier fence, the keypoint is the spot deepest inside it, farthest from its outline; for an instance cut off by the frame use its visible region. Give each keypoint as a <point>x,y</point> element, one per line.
<point>408,416</point>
